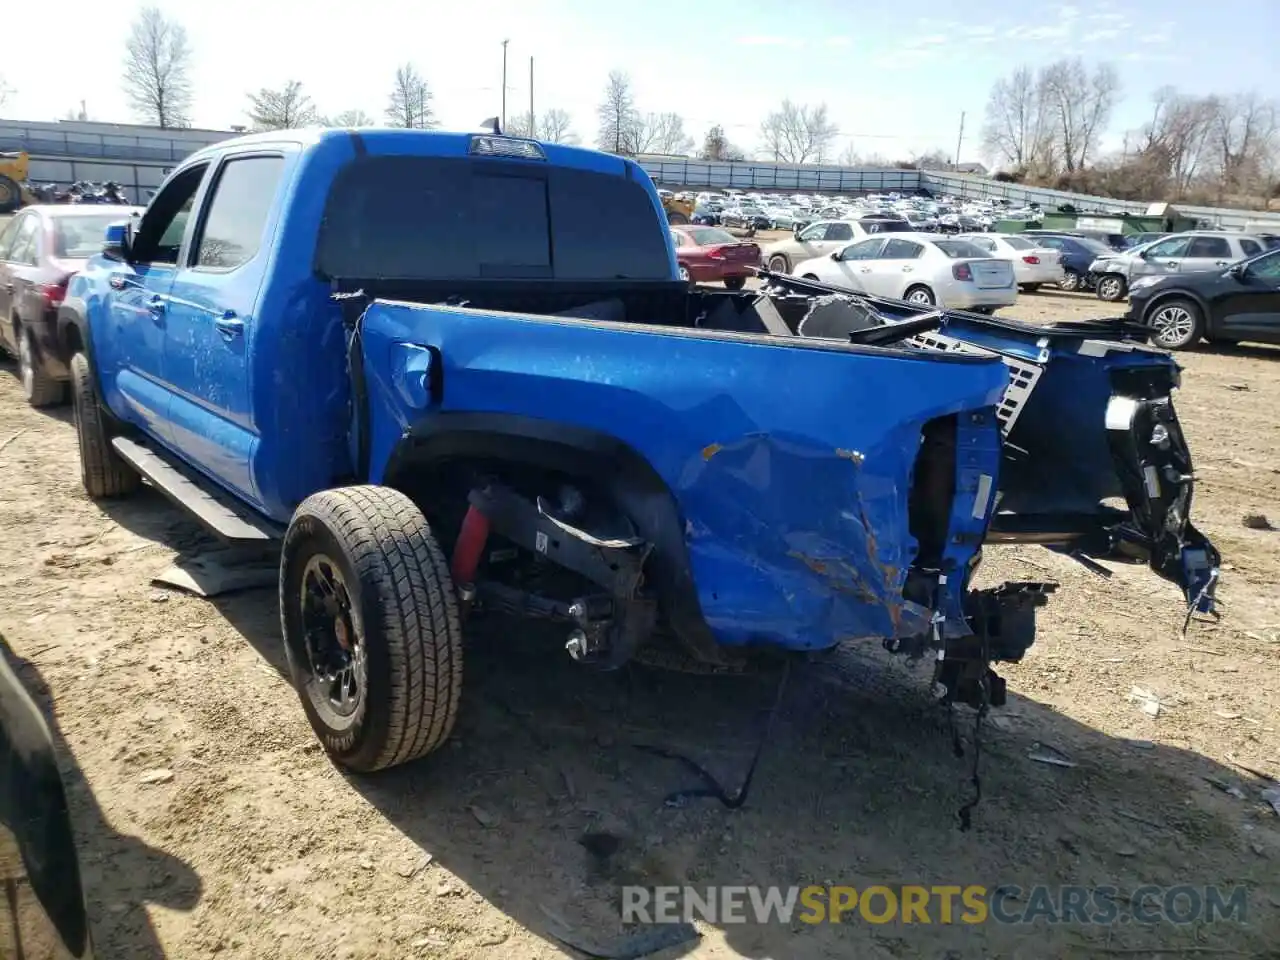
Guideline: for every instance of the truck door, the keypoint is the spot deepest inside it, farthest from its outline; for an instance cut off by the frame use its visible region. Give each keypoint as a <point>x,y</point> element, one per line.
<point>130,361</point>
<point>212,320</point>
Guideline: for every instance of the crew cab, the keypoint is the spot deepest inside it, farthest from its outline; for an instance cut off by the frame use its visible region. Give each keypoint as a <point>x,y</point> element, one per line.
<point>458,375</point>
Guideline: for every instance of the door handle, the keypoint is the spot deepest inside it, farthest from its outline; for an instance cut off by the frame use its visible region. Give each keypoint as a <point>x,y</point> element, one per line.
<point>229,325</point>
<point>907,269</point>
<point>156,307</point>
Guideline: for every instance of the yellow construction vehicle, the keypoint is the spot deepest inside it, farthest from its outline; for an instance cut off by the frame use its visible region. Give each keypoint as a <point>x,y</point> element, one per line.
<point>13,173</point>
<point>678,211</point>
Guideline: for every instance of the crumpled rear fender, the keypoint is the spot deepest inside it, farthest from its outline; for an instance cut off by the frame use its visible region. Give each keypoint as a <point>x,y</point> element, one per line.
<point>790,461</point>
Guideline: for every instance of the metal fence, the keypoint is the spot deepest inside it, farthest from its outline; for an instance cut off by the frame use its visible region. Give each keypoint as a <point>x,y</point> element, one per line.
<point>65,140</point>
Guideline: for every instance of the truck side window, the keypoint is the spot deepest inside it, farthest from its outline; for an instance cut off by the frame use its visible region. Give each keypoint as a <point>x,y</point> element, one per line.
<point>237,213</point>
<point>163,226</point>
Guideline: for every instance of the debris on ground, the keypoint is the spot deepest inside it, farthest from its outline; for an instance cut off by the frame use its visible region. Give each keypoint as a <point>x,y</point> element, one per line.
<point>484,817</point>
<point>1272,796</point>
<point>1041,753</point>
<point>1257,521</point>
<point>1228,788</point>
<point>1147,700</point>
<point>156,776</point>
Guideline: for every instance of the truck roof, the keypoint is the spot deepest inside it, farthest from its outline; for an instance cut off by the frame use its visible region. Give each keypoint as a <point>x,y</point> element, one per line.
<point>390,141</point>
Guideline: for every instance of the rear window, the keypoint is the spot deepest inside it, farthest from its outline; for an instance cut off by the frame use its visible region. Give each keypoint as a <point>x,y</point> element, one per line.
<point>79,238</point>
<point>1019,243</point>
<point>960,249</point>
<point>710,236</point>
<point>877,225</point>
<point>433,218</point>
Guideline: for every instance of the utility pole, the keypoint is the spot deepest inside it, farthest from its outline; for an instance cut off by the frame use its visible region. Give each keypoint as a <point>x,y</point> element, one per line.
<point>533,132</point>
<point>959,140</point>
<point>504,85</point>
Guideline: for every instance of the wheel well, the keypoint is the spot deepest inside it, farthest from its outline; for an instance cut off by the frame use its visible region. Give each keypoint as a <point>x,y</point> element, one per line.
<point>1171,295</point>
<point>437,464</point>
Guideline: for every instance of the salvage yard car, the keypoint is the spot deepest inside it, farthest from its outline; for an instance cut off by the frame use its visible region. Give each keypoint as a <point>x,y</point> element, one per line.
<point>458,375</point>
<point>40,249</point>
<point>1033,265</point>
<point>920,268</point>
<point>1116,272</point>
<point>1227,306</point>
<point>709,254</point>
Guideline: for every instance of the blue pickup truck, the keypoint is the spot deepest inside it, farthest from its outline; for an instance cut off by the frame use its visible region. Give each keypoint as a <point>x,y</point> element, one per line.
<point>457,375</point>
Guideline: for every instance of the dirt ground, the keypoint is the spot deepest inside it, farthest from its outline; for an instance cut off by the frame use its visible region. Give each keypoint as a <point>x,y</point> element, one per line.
<point>210,825</point>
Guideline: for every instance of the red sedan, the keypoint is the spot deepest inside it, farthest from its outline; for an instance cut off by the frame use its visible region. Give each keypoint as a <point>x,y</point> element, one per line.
<point>709,253</point>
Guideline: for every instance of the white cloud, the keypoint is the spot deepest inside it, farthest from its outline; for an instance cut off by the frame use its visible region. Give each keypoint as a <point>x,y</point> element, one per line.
<point>1160,36</point>
<point>981,30</point>
<point>1106,33</point>
<point>921,43</point>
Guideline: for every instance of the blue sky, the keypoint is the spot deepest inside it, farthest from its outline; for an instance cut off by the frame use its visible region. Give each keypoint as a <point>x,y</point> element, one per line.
<point>895,76</point>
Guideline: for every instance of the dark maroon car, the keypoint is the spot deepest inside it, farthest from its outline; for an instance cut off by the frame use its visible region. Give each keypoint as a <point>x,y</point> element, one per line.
<point>709,253</point>
<point>40,249</point>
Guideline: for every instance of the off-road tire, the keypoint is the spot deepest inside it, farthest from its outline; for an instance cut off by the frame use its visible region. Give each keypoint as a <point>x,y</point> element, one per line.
<point>405,612</point>
<point>40,389</point>
<point>102,471</point>
<point>10,195</point>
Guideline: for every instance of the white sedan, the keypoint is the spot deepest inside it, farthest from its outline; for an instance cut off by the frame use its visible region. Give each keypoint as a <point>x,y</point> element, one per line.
<point>1033,264</point>
<point>920,268</point>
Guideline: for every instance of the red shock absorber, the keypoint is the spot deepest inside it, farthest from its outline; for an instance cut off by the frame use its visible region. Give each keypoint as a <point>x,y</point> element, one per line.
<point>469,548</point>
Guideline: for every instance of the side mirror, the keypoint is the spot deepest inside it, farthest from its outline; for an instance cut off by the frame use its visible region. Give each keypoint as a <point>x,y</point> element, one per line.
<point>1238,270</point>
<point>836,255</point>
<point>118,239</point>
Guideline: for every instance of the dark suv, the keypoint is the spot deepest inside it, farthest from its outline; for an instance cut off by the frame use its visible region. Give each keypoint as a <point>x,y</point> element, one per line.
<point>1241,302</point>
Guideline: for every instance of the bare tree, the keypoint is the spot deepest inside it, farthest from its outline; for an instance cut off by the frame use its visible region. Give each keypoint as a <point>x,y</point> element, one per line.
<point>282,109</point>
<point>552,127</point>
<point>1174,144</point>
<point>661,133</point>
<point>556,126</point>
<point>1078,105</point>
<point>1244,134</point>
<point>797,133</point>
<point>1014,129</point>
<point>350,118</point>
<point>849,156</point>
<point>410,103</point>
<point>715,145</point>
<point>620,122</point>
<point>931,160</point>
<point>156,70</point>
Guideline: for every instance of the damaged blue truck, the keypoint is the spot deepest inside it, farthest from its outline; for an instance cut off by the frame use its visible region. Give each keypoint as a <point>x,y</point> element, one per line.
<point>457,376</point>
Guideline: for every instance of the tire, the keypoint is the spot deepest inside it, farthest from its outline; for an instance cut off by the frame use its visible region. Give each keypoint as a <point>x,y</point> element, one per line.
<point>685,275</point>
<point>1111,287</point>
<point>1029,287</point>
<point>102,471</point>
<point>389,619</point>
<point>735,283</point>
<point>1175,324</point>
<point>779,263</point>
<point>10,195</point>
<point>40,389</point>
<point>920,295</point>
<point>1070,281</point>
<point>677,218</point>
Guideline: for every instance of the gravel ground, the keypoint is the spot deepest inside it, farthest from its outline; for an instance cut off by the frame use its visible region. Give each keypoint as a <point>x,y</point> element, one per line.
<point>210,825</point>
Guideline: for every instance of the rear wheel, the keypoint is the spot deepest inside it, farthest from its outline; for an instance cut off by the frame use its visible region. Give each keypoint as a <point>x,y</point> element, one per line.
<point>371,626</point>
<point>102,471</point>
<point>677,218</point>
<point>10,195</point>
<point>1070,281</point>
<point>735,283</point>
<point>920,295</point>
<point>1111,287</point>
<point>1029,287</point>
<point>40,389</point>
<point>778,263</point>
<point>1176,324</point>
